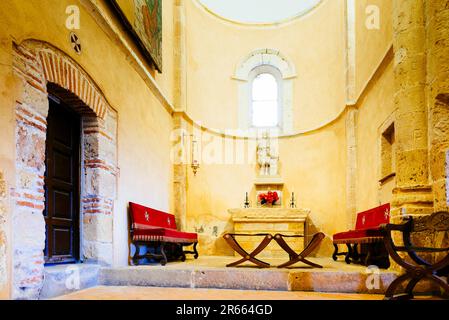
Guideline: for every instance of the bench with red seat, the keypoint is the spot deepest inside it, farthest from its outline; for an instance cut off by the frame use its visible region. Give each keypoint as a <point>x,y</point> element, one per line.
<point>150,227</point>
<point>368,235</point>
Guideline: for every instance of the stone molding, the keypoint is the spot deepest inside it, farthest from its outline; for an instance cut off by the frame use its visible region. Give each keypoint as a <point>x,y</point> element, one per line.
<point>269,214</point>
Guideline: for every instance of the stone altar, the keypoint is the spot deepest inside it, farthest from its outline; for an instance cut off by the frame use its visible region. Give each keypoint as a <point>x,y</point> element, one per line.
<point>271,220</point>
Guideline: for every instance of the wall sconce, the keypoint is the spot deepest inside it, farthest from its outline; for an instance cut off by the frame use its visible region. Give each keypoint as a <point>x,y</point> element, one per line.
<point>195,162</point>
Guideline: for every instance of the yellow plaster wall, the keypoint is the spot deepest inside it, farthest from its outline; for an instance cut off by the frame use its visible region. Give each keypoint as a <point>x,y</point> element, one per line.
<point>371,44</point>
<point>374,109</point>
<point>166,79</point>
<point>312,166</point>
<point>7,143</point>
<point>313,43</point>
<point>144,125</point>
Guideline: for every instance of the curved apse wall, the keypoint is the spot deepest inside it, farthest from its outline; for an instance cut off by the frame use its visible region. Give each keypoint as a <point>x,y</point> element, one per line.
<point>268,11</point>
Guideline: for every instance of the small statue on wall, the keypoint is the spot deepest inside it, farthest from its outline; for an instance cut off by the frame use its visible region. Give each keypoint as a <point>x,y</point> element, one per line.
<point>267,157</point>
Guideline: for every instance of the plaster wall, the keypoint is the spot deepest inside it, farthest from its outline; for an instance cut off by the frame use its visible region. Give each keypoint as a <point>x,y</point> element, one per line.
<point>312,166</point>
<point>313,43</point>
<point>313,163</point>
<point>376,110</point>
<point>372,40</point>
<point>145,171</point>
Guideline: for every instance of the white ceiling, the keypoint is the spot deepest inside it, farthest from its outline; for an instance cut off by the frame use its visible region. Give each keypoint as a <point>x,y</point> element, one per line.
<point>259,11</point>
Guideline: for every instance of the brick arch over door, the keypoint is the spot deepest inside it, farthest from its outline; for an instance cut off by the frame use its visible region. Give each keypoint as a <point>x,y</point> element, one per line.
<point>39,66</point>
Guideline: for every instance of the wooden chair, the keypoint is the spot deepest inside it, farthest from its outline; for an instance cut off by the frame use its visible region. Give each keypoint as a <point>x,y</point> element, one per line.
<point>419,269</point>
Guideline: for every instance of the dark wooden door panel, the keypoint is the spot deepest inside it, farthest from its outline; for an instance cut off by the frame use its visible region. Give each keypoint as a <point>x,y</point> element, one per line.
<point>62,166</point>
<point>63,207</point>
<point>62,184</point>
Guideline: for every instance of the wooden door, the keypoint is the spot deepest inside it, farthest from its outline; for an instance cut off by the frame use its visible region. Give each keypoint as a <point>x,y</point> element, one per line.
<point>62,177</point>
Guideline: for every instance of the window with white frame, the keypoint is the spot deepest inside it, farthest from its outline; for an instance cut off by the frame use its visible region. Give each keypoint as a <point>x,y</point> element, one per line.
<point>265,91</point>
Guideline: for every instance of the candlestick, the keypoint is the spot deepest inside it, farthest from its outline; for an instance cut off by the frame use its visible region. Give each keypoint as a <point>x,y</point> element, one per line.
<point>246,200</point>
<point>293,201</point>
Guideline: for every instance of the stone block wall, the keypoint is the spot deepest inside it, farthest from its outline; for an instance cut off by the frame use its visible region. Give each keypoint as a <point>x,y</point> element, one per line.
<point>422,98</point>
<point>28,193</point>
<point>437,30</point>
<point>38,68</point>
<point>422,86</point>
<point>437,43</point>
<point>413,192</point>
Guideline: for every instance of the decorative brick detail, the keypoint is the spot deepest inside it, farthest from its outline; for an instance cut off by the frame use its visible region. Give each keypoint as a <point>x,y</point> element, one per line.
<point>60,70</point>
<point>41,68</point>
<point>3,239</point>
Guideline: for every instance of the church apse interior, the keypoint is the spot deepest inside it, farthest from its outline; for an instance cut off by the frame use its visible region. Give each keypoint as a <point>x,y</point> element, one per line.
<point>265,148</point>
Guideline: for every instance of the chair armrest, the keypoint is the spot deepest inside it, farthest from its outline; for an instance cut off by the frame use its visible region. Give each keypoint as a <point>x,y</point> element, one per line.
<point>388,227</point>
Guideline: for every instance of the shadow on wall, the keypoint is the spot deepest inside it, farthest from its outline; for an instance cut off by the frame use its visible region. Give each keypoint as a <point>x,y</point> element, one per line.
<point>210,232</point>
<point>443,98</point>
<point>210,229</point>
<point>221,246</point>
<point>325,248</point>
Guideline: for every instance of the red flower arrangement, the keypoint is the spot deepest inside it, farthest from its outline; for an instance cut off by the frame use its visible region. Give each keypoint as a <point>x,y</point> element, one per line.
<point>268,198</point>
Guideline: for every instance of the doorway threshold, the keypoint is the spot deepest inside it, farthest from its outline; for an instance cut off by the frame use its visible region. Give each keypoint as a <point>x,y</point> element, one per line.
<point>68,278</point>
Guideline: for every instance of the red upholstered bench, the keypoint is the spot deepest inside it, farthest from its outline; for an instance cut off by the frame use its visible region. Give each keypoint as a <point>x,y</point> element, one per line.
<point>158,229</point>
<point>368,235</point>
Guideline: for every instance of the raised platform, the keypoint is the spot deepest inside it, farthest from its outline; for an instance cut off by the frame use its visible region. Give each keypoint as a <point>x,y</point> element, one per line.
<point>210,272</point>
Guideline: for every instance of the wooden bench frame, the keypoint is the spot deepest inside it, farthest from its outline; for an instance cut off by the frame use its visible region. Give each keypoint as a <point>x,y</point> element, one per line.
<point>418,269</point>
<point>169,251</point>
<point>152,235</point>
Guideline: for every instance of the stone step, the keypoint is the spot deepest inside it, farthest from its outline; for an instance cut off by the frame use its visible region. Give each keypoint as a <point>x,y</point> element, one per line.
<point>197,278</point>
<point>64,279</point>
<point>248,279</point>
<point>211,273</point>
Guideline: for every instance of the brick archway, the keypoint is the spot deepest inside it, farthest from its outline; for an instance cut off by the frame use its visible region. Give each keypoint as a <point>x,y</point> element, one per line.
<point>39,66</point>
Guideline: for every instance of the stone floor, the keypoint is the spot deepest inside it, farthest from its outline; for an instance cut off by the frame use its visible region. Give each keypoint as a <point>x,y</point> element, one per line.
<point>210,272</point>
<point>208,278</point>
<point>214,262</point>
<point>151,293</point>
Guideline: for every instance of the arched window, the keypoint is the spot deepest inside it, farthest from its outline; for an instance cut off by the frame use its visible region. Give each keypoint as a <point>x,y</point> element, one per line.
<point>265,91</point>
<point>265,101</point>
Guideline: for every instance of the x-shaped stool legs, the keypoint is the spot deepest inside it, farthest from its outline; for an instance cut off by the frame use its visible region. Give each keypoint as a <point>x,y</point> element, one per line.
<point>230,239</point>
<point>294,257</point>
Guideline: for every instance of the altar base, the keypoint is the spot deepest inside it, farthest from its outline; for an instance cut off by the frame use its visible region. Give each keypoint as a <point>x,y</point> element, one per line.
<point>272,221</point>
